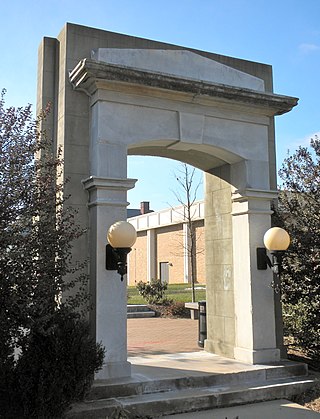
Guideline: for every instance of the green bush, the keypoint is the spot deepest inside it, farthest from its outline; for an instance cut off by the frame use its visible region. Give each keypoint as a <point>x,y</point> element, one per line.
<point>302,322</point>
<point>42,286</point>
<point>298,212</point>
<point>172,309</point>
<point>55,370</point>
<point>153,292</point>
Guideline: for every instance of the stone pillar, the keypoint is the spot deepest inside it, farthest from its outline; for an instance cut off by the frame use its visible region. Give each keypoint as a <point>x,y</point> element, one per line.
<point>107,204</point>
<point>151,255</point>
<point>219,264</point>
<point>107,187</point>
<point>255,340</point>
<point>240,303</point>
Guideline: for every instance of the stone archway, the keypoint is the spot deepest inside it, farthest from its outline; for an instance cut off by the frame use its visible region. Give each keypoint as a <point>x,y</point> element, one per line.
<point>116,95</point>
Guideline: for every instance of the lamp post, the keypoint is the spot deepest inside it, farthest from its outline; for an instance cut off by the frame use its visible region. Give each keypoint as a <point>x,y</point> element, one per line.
<point>121,237</point>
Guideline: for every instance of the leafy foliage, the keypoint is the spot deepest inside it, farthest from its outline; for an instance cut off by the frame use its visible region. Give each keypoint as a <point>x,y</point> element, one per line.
<point>171,309</point>
<point>299,213</point>
<point>56,368</point>
<point>153,292</point>
<point>155,295</point>
<point>40,284</point>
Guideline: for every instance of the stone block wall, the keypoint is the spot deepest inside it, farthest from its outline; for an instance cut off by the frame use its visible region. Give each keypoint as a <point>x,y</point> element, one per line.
<point>219,262</point>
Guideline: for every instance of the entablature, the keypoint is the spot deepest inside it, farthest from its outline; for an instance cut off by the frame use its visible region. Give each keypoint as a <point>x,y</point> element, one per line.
<point>90,76</point>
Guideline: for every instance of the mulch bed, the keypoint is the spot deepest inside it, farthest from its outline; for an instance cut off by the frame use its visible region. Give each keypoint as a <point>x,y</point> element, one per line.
<point>173,310</point>
<point>311,398</point>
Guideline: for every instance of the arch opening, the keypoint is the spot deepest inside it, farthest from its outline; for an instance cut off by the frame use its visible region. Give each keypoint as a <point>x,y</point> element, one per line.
<point>163,249</point>
<point>201,156</point>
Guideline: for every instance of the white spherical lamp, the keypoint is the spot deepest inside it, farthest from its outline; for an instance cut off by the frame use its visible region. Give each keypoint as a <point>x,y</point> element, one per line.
<point>276,239</point>
<point>122,235</point>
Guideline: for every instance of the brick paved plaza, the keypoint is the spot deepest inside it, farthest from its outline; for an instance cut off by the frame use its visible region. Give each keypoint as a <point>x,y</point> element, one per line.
<point>162,335</point>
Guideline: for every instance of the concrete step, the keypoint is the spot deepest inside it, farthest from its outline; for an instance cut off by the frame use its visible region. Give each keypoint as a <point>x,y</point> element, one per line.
<point>139,311</point>
<point>131,308</point>
<point>160,397</point>
<point>128,387</point>
<point>188,400</point>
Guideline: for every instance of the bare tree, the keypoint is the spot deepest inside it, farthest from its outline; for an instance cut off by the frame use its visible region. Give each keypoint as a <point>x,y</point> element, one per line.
<point>187,196</point>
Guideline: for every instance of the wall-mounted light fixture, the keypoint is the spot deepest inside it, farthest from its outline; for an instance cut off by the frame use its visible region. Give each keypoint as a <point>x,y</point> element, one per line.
<point>121,237</point>
<point>277,241</point>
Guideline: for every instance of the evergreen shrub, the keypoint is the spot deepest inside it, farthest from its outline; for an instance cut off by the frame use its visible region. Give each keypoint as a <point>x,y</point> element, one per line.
<point>153,292</point>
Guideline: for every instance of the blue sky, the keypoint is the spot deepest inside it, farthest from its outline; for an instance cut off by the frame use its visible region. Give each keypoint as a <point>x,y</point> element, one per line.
<point>283,33</point>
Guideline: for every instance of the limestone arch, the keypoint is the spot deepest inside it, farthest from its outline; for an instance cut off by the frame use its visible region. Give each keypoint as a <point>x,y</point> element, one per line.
<point>203,157</point>
<point>114,93</point>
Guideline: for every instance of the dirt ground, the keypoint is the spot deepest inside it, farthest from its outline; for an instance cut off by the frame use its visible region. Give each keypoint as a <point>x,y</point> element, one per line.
<point>311,398</point>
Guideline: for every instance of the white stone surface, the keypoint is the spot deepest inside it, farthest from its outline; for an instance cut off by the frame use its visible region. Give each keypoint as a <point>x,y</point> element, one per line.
<point>175,134</point>
<point>181,63</point>
<point>253,297</point>
<point>206,135</point>
<point>107,204</point>
<point>228,137</point>
<point>179,131</point>
<point>227,121</point>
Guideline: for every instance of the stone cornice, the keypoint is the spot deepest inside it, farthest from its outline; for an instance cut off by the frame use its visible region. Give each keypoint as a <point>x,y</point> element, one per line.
<point>250,193</point>
<point>107,191</point>
<point>95,182</point>
<point>252,201</point>
<point>90,75</point>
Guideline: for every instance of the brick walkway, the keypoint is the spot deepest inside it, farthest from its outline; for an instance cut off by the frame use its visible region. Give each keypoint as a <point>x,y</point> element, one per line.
<point>162,336</point>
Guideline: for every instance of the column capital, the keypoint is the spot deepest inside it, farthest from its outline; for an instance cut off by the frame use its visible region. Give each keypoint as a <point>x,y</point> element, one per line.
<point>95,182</point>
<point>252,201</point>
<point>240,195</point>
<point>107,191</point>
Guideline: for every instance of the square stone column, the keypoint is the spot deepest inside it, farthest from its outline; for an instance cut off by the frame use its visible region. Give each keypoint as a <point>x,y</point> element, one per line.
<point>255,325</point>
<point>219,264</point>
<point>107,204</point>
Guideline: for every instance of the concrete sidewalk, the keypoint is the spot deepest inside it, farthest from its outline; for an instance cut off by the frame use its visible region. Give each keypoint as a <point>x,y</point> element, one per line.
<point>276,409</point>
<point>164,347</point>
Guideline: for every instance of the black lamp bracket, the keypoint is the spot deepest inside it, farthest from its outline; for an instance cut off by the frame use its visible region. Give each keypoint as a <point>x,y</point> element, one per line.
<point>263,262</point>
<point>116,259</point>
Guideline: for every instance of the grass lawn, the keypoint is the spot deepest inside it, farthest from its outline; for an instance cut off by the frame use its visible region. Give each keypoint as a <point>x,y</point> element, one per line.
<point>176,292</point>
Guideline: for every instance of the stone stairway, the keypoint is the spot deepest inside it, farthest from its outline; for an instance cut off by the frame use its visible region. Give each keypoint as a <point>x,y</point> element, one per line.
<point>143,397</point>
<point>139,311</point>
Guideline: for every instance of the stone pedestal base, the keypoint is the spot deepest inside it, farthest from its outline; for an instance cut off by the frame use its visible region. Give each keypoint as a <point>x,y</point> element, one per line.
<point>114,370</point>
<point>258,356</point>
<point>219,348</point>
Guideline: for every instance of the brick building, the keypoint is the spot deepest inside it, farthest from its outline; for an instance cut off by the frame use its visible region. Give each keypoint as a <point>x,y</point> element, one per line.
<point>162,247</point>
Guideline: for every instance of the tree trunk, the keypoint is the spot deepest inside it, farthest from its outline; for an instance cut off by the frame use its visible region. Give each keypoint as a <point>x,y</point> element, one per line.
<point>193,263</point>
